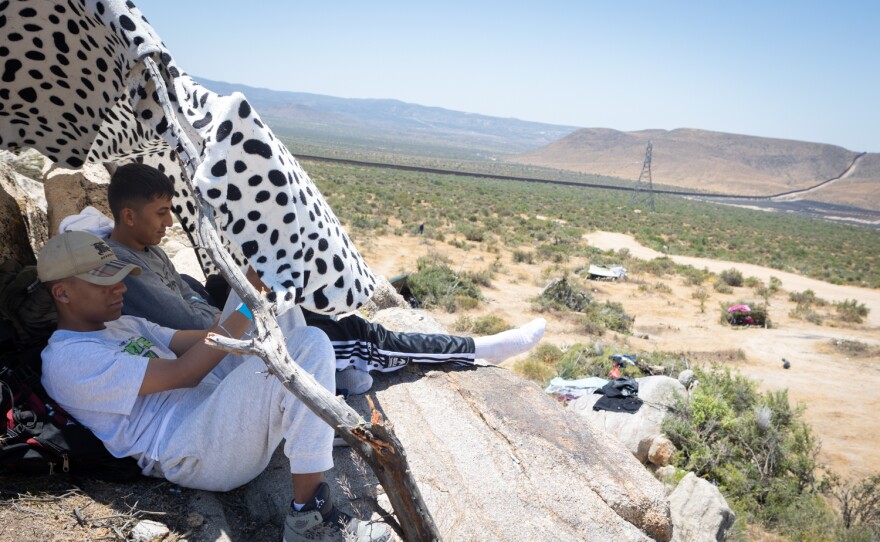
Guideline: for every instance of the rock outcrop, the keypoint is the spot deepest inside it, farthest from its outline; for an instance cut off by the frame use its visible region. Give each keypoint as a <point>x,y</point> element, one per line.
<point>497,459</point>
<point>22,210</point>
<point>384,297</point>
<point>699,511</point>
<point>69,191</point>
<point>639,432</point>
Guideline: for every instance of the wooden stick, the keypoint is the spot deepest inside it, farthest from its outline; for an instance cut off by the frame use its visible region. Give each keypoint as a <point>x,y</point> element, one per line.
<point>375,442</point>
<point>382,451</point>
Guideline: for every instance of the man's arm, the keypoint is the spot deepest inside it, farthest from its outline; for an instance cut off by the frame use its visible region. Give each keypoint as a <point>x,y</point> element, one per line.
<point>150,298</point>
<point>195,358</point>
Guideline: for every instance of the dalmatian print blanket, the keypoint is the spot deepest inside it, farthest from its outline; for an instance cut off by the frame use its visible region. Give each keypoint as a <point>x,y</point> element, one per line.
<point>90,81</point>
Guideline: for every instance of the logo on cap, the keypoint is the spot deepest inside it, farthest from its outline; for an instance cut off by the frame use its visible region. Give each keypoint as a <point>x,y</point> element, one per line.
<point>102,248</point>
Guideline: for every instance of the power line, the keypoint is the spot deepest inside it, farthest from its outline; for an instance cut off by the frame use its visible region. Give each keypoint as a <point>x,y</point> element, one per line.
<point>639,192</point>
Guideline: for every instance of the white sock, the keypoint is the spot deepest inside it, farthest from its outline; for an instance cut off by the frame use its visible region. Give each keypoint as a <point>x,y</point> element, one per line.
<point>497,348</point>
<point>354,380</point>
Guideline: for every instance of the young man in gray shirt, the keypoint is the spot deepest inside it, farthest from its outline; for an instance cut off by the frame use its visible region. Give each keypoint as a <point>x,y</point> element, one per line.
<point>177,405</point>
<point>140,200</point>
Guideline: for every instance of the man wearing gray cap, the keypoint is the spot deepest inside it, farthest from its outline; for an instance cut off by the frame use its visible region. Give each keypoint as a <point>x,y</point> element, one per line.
<point>185,411</point>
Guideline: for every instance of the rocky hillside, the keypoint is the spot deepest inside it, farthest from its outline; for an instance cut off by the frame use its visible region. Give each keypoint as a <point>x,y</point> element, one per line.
<point>718,162</point>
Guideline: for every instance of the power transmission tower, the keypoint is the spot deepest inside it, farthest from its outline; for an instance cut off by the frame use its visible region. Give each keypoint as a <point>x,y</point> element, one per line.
<point>644,178</point>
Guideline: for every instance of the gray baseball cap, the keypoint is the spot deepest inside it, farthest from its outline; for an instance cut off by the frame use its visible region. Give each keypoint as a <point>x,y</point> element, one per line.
<point>84,256</point>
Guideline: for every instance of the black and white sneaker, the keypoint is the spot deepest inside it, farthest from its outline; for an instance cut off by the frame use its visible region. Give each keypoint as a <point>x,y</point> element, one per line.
<point>321,520</point>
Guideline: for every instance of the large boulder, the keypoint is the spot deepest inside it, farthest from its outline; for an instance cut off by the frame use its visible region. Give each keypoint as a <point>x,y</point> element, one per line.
<point>497,459</point>
<point>699,511</point>
<point>69,191</point>
<point>641,430</point>
<point>384,297</point>
<point>22,213</point>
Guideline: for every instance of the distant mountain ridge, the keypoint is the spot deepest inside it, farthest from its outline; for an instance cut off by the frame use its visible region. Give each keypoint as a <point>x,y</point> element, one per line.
<point>393,121</point>
<point>688,158</point>
<point>718,162</point>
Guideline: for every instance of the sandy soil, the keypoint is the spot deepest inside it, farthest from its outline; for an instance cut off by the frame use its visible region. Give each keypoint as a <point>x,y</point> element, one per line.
<point>840,393</point>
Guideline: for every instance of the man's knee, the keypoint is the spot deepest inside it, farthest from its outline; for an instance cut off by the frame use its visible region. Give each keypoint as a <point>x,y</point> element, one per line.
<point>311,349</point>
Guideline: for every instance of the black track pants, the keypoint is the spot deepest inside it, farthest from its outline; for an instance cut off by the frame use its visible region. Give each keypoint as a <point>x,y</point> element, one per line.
<point>370,347</point>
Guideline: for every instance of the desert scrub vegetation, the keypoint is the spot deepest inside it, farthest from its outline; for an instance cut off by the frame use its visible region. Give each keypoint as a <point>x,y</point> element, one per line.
<point>567,295</point>
<point>564,294</point>
<point>851,311</point>
<point>805,303</point>
<point>509,209</point>
<point>764,458</point>
<point>540,365</point>
<point>731,277</point>
<point>481,325</point>
<point>435,284</point>
<point>848,311</point>
<point>523,256</point>
<point>855,348</point>
<point>755,446</point>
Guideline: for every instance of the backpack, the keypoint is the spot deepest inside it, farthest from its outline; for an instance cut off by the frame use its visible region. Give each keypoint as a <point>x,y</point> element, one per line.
<point>37,436</point>
<point>26,304</point>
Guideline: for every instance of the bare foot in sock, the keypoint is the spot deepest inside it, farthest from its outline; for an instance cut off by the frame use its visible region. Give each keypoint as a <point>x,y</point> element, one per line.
<point>497,348</point>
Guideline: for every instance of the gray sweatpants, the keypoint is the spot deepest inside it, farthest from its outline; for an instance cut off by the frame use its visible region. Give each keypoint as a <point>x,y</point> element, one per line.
<point>225,432</point>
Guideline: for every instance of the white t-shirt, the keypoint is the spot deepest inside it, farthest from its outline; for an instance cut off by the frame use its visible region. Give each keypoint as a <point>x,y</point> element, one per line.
<point>96,376</point>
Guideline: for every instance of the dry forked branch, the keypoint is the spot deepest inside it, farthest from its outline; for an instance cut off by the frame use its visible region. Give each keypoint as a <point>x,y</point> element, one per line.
<point>376,443</point>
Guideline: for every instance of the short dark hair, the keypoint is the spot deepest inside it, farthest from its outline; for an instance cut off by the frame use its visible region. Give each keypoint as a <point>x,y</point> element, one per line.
<point>134,184</point>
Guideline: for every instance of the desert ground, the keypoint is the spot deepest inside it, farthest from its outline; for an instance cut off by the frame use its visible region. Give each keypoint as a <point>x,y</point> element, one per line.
<point>840,393</point>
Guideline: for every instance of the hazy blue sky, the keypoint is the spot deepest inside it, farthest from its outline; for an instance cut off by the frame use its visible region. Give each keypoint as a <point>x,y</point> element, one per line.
<point>806,70</point>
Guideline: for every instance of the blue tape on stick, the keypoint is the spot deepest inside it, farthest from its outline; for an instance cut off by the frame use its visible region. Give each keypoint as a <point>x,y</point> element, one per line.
<point>245,311</point>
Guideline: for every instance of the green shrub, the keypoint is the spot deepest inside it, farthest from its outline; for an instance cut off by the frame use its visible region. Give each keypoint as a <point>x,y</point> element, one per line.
<point>732,277</point>
<point>540,365</point>
<point>562,294</point>
<point>753,282</point>
<point>701,294</point>
<point>522,256</point>
<point>490,325</point>
<point>722,287</point>
<point>807,298</point>
<point>855,348</point>
<point>473,233</point>
<point>554,252</point>
<point>583,360</point>
<point>851,311</point>
<point>807,314</point>
<point>463,324</point>
<point>859,501</point>
<point>753,445</point>
<point>591,327</point>
<point>610,315</point>
<point>466,303</point>
<point>806,518</point>
<point>658,266</point>
<point>695,277</point>
<point>662,288</point>
<point>436,284</point>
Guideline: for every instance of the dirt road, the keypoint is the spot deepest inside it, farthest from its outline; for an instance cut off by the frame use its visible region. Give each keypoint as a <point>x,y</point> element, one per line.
<point>791,282</point>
